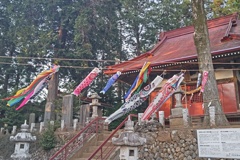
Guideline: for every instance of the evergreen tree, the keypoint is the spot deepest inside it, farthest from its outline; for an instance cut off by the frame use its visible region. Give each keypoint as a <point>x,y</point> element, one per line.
<point>224,7</point>
<point>142,21</point>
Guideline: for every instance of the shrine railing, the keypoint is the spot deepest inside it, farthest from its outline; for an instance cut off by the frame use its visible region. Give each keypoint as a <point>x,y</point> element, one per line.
<point>106,148</point>
<point>94,127</point>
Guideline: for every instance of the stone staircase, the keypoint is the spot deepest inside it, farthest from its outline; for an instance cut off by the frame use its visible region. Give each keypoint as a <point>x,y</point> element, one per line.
<point>196,122</point>
<point>86,151</point>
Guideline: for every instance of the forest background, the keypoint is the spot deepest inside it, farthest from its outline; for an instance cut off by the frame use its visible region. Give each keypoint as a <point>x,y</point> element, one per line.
<point>81,35</point>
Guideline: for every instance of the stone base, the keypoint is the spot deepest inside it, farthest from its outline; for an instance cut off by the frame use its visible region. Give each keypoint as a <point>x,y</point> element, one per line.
<point>25,156</point>
<point>49,113</point>
<point>105,127</point>
<point>176,112</point>
<point>176,122</point>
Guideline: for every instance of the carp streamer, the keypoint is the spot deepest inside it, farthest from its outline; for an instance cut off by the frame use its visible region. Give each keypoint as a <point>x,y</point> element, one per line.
<point>31,91</point>
<point>142,77</point>
<point>86,82</point>
<point>110,82</point>
<point>162,96</point>
<point>135,101</point>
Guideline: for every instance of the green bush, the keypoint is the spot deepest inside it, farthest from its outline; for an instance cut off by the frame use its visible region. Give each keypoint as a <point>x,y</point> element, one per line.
<point>48,139</point>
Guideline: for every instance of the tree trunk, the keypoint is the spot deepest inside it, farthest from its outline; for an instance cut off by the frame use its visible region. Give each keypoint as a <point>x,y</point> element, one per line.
<point>5,85</point>
<point>17,79</point>
<point>7,75</point>
<point>202,43</point>
<point>138,44</point>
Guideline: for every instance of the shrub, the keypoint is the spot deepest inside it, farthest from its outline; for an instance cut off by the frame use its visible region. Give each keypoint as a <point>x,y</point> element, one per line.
<point>48,139</point>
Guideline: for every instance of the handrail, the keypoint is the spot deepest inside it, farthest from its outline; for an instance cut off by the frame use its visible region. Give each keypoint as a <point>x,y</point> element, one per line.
<point>78,140</point>
<point>100,148</point>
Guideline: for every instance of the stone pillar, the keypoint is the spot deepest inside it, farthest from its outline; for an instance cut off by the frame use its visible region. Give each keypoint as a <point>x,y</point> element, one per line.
<point>84,113</point>
<point>6,128</point>
<point>75,121</point>
<point>32,127</point>
<point>153,117</point>
<point>178,106</point>
<point>161,118</point>
<point>14,130</point>
<point>22,141</point>
<point>40,118</point>
<point>178,98</point>
<point>49,113</point>
<point>97,112</point>
<point>87,120</point>
<point>140,118</point>
<point>62,125</point>
<point>67,110</point>
<point>185,117</point>
<point>1,130</point>
<point>41,128</point>
<point>212,116</point>
<point>31,118</point>
<point>128,141</point>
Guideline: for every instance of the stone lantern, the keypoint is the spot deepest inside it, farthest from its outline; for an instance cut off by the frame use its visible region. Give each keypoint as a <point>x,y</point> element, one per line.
<point>128,141</point>
<point>22,141</point>
<point>97,112</point>
<point>179,116</point>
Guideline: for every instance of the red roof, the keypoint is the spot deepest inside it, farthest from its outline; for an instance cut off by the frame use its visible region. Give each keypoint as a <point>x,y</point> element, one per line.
<point>178,45</point>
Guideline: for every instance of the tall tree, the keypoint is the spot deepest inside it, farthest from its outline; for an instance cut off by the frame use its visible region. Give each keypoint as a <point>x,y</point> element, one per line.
<point>142,21</point>
<point>174,14</point>
<point>202,43</point>
<point>224,7</point>
<point>17,39</point>
<point>139,25</point>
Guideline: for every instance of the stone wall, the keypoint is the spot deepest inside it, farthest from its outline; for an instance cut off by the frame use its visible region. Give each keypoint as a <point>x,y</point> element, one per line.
<point>167,144</point>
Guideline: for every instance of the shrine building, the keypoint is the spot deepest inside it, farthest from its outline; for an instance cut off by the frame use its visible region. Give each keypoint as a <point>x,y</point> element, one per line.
<point>176,51</point>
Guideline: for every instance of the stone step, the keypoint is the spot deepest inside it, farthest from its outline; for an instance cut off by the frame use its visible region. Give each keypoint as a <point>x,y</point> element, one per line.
<point>88,154</point>
<point>104,136</point>
<point>90,149</point>
<point>100,142</point>
<point>93,148</point>
<point>197,124</point>
<point>82,159</point>
<point>196,121</point>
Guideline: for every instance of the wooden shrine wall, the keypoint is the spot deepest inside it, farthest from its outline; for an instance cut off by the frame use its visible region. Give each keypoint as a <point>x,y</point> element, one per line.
<point>193,102</point>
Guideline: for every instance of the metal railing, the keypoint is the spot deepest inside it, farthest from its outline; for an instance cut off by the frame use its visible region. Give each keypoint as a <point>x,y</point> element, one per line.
<point>106,148</point>
<point>94,126</point>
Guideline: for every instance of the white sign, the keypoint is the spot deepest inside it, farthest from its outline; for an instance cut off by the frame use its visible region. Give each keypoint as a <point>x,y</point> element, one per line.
<point>219,143</point>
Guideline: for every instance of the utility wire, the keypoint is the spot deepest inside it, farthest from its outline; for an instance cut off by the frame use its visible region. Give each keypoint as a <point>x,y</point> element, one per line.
<point>128,61</point>
<point>24,64</point>
<point>62,59</point>
<point>105,68</point>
